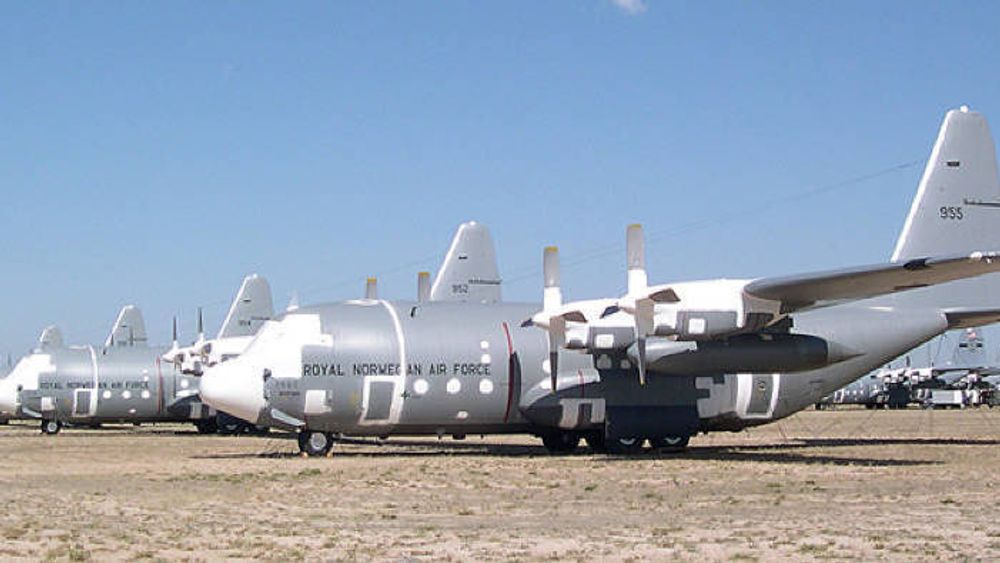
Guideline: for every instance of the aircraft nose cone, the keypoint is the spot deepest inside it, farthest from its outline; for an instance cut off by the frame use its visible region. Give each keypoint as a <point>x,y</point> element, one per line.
<point>8,397</point>
<point>234,391</point>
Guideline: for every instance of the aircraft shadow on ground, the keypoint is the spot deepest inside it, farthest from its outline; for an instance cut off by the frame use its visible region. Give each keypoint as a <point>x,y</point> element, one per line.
<point>771,453</point>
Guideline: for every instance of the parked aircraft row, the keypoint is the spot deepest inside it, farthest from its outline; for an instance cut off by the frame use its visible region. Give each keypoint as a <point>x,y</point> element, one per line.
<point>127,380</point>
<point>968,378</point>
<point>656,364</point>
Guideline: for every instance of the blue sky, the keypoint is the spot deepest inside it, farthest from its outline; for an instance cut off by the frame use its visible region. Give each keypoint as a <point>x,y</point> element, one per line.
<point>156,152</point>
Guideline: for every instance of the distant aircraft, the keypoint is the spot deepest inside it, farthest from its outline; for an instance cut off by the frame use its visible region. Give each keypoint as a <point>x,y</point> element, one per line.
<point>125,380</point>
<point>251,308</point>
<point>4,371</point>
<point>658,364</point>
<point>967,369</point>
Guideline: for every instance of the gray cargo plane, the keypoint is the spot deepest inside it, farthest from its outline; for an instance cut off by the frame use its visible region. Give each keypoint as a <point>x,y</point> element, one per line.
<point>658,364</point>
<point>125,380</point>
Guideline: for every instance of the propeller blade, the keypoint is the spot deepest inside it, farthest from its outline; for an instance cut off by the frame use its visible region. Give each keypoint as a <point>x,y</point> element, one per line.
<point>557,339</point>
<point>551,302</point>
<point>371,288</point>
<point>552,297</point>
<point>644,310</point>
<point>423,287</point>
<point>640,344</point>
<point>635,256</point>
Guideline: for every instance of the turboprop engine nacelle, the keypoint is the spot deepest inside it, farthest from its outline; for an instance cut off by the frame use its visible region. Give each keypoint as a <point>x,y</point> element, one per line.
<point>746,353</point>
<point>708,310</point>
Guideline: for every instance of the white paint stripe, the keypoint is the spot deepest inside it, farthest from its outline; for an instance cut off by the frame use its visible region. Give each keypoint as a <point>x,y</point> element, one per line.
<point>93,396</point>
<point>447,258</point>
<point>400,384</point>
<point>932,164</point>
<point>398,381</point>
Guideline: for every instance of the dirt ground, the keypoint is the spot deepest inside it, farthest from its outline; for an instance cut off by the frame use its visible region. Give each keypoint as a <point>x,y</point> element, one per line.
<point>848,483</point>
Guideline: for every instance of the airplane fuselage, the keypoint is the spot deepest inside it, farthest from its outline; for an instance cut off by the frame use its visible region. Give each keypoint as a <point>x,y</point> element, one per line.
<point>375,367</point>
<point>93,385</point>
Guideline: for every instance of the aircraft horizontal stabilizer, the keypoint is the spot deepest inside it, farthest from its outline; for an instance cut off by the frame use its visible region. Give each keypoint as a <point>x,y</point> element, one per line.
<point>968,318</point>
<point>830,287</point>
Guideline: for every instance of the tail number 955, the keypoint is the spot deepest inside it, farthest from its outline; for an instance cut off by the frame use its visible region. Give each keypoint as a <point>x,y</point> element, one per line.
<point>951,213</point>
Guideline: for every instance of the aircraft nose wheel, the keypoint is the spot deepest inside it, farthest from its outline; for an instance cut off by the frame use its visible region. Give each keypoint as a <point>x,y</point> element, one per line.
<point>51,426</point>
<point>314,443</point>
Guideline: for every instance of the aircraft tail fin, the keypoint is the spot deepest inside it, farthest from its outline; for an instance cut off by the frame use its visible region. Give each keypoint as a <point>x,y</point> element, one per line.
<point>469,272</point>
<point>250,309</point>
<point>129,328</point>
<point>957,206</point>
<point>970,351</point>
<point>956,210</point>
<point>50,339</point>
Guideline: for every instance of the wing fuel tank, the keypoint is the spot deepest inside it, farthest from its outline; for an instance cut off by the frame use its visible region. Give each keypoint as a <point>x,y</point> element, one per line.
<point>750,353</point>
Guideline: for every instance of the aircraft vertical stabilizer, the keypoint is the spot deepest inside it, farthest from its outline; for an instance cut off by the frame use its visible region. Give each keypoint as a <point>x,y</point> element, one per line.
<point>956,211</point>
<point>957,206</point>
<point>469,272</point>
<point>970,352</point>
<point>129,328</point>
<point>51,338</point>
<point>250,309</point>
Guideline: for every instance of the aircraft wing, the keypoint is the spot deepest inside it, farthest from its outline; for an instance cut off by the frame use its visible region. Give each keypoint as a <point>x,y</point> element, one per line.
<point>830,287</point>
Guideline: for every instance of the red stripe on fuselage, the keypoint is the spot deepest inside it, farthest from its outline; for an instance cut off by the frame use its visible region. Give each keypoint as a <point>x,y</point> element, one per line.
<point>510,371</point>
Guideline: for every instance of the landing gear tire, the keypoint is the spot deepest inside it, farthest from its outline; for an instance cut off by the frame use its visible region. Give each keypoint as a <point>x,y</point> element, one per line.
<point>561,442</point>
<point>206,426</point>
<point>624,445</point>
<point>51,427</point>
<point>670,443</point>
<point>595,441</point>
<point>314,443</point>
<point>228,425</point>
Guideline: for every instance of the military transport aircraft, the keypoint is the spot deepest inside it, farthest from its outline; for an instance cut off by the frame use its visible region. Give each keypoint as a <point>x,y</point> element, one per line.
<point>659,363</point>
<point>125,380</point>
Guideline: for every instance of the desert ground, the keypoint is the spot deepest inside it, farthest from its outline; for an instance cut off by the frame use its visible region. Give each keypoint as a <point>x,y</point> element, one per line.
<point>861,484</point>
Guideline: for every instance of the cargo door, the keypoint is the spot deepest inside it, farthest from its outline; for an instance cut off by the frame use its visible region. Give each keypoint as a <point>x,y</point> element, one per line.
<point>82,403</point>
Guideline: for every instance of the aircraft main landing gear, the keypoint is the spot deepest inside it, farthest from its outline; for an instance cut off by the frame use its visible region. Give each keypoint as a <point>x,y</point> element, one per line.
<point>624,445</point>
<point>206,426</point>
<point>314,443</point>
<point>560,442</point>
<point>51,426</point>
<point>670,443</point>
<point>595,441</point>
